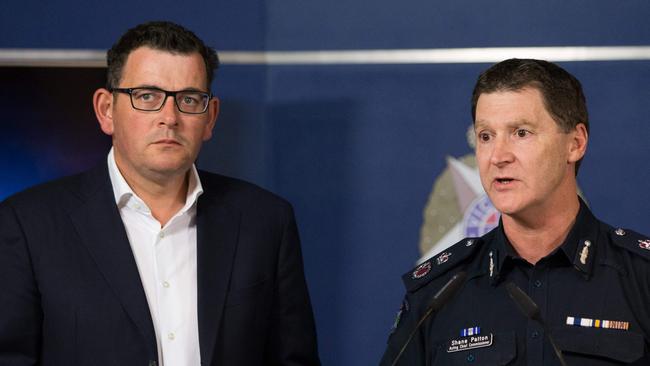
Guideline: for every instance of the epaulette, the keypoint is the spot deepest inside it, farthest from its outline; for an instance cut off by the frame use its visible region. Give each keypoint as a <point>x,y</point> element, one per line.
<point>631,241</point>
<point>440,263</point>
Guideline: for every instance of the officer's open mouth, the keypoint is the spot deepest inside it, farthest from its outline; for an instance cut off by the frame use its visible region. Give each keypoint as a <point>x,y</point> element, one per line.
<point>504,180</point>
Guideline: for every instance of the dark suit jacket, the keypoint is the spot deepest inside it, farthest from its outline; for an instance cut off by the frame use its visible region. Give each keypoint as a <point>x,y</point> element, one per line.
<point>71,293</point>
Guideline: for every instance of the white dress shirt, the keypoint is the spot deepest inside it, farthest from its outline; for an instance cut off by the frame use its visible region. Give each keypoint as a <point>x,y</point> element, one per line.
<point>166,260</point>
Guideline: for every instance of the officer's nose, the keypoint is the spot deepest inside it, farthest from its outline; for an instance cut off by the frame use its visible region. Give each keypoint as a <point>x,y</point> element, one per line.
<point>501,151</point>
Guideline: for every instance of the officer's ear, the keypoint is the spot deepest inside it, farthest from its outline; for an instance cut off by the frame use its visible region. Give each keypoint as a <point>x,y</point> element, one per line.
<point>577,143</point>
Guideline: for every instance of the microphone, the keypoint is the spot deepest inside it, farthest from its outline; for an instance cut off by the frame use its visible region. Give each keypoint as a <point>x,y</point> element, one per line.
<point>528,307</point>
<point>439,300</point>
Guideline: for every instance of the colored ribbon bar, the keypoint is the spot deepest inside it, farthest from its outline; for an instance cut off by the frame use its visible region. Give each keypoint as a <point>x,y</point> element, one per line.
<point>470,331</point>
<point>597,323</point>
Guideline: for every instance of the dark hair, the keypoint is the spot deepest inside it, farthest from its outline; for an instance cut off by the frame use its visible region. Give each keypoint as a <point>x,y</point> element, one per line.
<point>159,35</point>
<point>561,92</point>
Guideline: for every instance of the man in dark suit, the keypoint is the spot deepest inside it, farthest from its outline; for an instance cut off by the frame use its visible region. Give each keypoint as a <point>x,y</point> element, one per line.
<point>145,260</point>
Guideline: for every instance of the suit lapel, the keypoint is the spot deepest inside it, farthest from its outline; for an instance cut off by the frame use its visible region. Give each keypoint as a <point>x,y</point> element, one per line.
<point>98,223</point>
<point>217,234</point>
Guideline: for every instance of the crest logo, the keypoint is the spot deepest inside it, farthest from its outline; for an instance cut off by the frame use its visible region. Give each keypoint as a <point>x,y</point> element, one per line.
<point>458,207</point>
<point>480,217</point>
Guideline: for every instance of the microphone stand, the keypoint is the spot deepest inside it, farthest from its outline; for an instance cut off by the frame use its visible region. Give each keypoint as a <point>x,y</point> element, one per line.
<point>528,307</point>
<point>439,299</point>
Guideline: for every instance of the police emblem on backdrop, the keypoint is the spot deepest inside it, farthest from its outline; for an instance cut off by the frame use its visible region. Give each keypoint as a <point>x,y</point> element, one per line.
<point>458,206</point>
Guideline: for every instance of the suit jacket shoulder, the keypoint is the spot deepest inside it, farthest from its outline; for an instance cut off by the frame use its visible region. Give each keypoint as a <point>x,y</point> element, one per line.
<point>62,192</point>
<point>240,194</point>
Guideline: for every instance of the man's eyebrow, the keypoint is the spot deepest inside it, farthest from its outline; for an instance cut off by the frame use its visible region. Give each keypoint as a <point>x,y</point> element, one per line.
<point>147,86</point>
<point>480,124</point>
<point>151,86</point>
<point>192,89</point>
<point>520,123</point>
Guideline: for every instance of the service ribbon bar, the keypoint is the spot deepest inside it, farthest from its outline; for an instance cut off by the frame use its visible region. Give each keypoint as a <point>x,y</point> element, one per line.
<point>470,331</point>
<point>597,323</point>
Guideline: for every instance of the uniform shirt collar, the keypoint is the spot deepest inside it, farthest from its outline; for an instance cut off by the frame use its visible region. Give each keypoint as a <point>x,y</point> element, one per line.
<point>572,251</point>
<point>125,196</point>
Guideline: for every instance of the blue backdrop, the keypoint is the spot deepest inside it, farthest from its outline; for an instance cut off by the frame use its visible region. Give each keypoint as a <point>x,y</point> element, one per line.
<point>356,148</point>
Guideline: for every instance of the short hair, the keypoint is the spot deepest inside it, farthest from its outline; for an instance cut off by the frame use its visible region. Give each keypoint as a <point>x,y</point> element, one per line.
<point>561,92</point>
<point>158,35</point>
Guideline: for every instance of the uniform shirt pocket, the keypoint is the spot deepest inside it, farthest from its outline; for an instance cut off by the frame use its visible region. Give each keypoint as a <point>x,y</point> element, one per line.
<point>613,344</point>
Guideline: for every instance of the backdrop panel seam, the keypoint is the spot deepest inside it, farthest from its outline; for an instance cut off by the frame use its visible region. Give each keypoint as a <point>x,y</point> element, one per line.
<point>97,58</point>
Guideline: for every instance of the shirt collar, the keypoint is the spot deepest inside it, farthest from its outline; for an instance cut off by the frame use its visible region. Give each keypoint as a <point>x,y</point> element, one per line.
<point>578,249</point>
<point>123,192</point>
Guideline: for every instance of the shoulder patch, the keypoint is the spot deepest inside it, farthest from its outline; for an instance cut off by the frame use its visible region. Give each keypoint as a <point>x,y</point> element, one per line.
<point>440,263</point>
<point>632,241</point>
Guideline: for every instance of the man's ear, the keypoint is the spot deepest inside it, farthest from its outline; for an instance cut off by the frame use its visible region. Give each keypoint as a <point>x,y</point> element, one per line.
<point>578,143</point>
<point>213,113</point>
<point>103,104</point>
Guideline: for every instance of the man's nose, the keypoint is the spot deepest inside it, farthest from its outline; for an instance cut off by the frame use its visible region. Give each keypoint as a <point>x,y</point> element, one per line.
<point>502,151</point>
<point>169,112</point>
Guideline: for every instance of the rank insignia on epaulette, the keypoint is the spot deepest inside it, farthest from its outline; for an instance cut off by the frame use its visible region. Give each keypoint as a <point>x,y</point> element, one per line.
<point>442,258</point>
<point>632,241</point>
<point>421,270</point>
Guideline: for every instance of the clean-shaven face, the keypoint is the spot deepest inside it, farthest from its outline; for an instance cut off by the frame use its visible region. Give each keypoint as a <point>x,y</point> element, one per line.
<point>522,155</point>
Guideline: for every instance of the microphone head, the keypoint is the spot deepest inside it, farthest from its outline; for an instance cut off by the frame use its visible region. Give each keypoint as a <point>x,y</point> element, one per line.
<point>525,304</point>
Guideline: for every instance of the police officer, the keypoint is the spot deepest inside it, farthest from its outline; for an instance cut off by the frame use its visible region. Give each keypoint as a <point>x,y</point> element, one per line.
<point>588,283</point>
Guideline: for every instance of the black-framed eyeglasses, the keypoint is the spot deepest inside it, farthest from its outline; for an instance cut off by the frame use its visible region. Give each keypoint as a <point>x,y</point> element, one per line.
<point>153,99</point>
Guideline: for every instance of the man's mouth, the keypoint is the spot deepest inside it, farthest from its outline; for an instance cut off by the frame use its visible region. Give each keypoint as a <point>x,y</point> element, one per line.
<point>167,141</point>
<point>504,180</point>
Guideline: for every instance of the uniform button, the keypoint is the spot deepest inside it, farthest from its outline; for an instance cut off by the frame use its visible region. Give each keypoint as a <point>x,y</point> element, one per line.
<point>161,234</point>
<point>470,358</point>
<point>165,284</point>
<point>171,336</point>
<point>535,334</point>
<point>538,283</point>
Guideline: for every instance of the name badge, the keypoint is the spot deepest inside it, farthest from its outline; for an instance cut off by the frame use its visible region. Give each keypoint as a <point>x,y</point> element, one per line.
<point>467,343</point>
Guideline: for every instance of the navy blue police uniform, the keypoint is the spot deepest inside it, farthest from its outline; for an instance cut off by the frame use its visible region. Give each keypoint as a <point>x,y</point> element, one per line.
<point>593,293</point>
